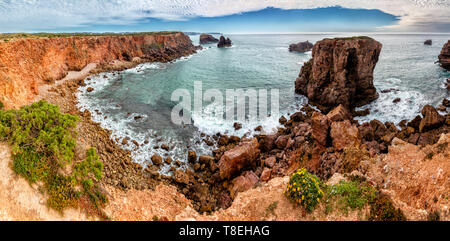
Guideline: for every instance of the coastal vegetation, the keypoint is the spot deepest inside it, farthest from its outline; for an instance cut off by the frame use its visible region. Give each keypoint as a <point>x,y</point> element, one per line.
<point>43,145</point>
<point>304,189</point>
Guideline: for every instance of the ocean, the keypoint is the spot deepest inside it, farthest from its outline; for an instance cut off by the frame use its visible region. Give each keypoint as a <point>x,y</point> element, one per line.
<point>136,103</point>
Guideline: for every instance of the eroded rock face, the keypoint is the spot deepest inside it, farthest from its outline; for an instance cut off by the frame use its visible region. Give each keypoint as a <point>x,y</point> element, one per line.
<point>340,72</point>
<point>237,158</point>
<point>301,47</point>
<point>320,126</point>
<point>207,38</point>
<point>29,63</point>
<point>444,57</point>
<point>344,135</point>
<point>224,42</point>
<point>431,119</point>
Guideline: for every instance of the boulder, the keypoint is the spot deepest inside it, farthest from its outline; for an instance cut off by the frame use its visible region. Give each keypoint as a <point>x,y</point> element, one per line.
<point>338,114</point>
<point>157,159</point>
<point>243,183</point>
<point>340,72</point>
<point>192,156</point>
<point>344,134</point>
<point>282,141</point>
<point>224,42</point>
<point>237,158</point>
<point>431,119</point>
<point>207,38</point>
<point>301,47</point>
<point>444,57</point>
<point>428,42</point>
<point>268,142</point>
<point>265,175</point>
<point>270,162</point>
<point>320,126</point>
<point>181,177</point>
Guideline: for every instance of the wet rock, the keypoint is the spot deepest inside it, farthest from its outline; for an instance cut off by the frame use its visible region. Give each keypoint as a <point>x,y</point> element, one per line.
<point>301,47</point>
<point>431,119</point>
<point>415,123</point>
<point>223,141</point>
<point>237,158</point>
<point>157,159</point>
<point>224,42</point>
<point>396,100</point>
<point>338,114</point>
<point>320,127</point>
<point>243,183</point>
<point>90,89</point>
<point>165,147</point>
<point>340,72</point>
<point>446,103</point>
<point>234,139</point>
<point>265,175</point>
<point>135,143</point>
<point>237,126</point>
<point>168,160</point>
<point>136,118</point>
<point>207,38</point>
<point>428,42</point>
<point>298,117</point>
<point>192,156</point>
<point>259,128</point>
<point>444,57</point>
<point>283,120</point>
<point>344,134</point>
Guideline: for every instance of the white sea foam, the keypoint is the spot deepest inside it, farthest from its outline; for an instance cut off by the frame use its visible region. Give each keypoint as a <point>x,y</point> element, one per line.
<point>384,108</point>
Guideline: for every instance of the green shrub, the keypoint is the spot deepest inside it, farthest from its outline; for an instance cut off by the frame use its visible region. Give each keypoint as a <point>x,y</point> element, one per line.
<point>42,141</point>
<point>304,189</point>
<point>1,105</point>
<point>350,194</point>
<point>382,209</point>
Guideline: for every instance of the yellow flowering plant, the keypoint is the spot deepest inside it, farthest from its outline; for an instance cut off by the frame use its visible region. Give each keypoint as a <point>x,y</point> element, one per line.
<point>304,189</point>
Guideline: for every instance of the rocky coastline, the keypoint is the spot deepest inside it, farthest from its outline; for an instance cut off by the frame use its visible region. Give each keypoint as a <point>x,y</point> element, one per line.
<point>325,143</point>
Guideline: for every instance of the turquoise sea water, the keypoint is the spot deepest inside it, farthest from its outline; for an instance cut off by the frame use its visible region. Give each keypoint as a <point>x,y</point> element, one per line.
<point>254,61</point>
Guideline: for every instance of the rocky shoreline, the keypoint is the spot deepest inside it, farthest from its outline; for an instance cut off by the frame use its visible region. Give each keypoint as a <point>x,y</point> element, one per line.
<point>324,143</point>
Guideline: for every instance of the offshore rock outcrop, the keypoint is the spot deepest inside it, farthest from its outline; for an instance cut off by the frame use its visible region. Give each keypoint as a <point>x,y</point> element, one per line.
<point>28,63</point>
<point>301,47</point>
<point>444,57</point>
<point>224,42</point>
<point>340,72</point>
<point>207,38</point>
<point>428,42</point>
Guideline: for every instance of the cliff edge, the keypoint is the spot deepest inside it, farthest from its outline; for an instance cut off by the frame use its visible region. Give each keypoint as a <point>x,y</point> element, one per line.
<point>25,64</point>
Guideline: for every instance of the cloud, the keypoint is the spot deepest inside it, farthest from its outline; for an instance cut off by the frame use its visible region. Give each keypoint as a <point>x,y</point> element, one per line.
<point>41,15</point>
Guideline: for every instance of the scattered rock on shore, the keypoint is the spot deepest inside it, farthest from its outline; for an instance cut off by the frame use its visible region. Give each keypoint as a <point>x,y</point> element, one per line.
<point>237,158</point>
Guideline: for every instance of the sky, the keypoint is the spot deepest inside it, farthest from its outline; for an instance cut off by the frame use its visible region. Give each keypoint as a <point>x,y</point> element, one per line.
<point>225,16</point>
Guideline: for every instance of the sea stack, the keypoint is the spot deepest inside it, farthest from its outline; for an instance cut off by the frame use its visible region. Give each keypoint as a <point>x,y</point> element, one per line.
<point>301,47</point>
<point>444,57</point>
<point>224,42</point>
<point>207,38</point>
<point>428,42</point>
<point>340,72</point>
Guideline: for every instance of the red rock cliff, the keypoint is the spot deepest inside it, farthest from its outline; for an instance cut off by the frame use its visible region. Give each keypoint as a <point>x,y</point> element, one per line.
<point>25,64</point>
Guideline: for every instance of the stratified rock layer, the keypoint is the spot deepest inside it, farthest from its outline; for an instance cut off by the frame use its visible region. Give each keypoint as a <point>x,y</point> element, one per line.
<point>444,57</point>
<point>340,72</point>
